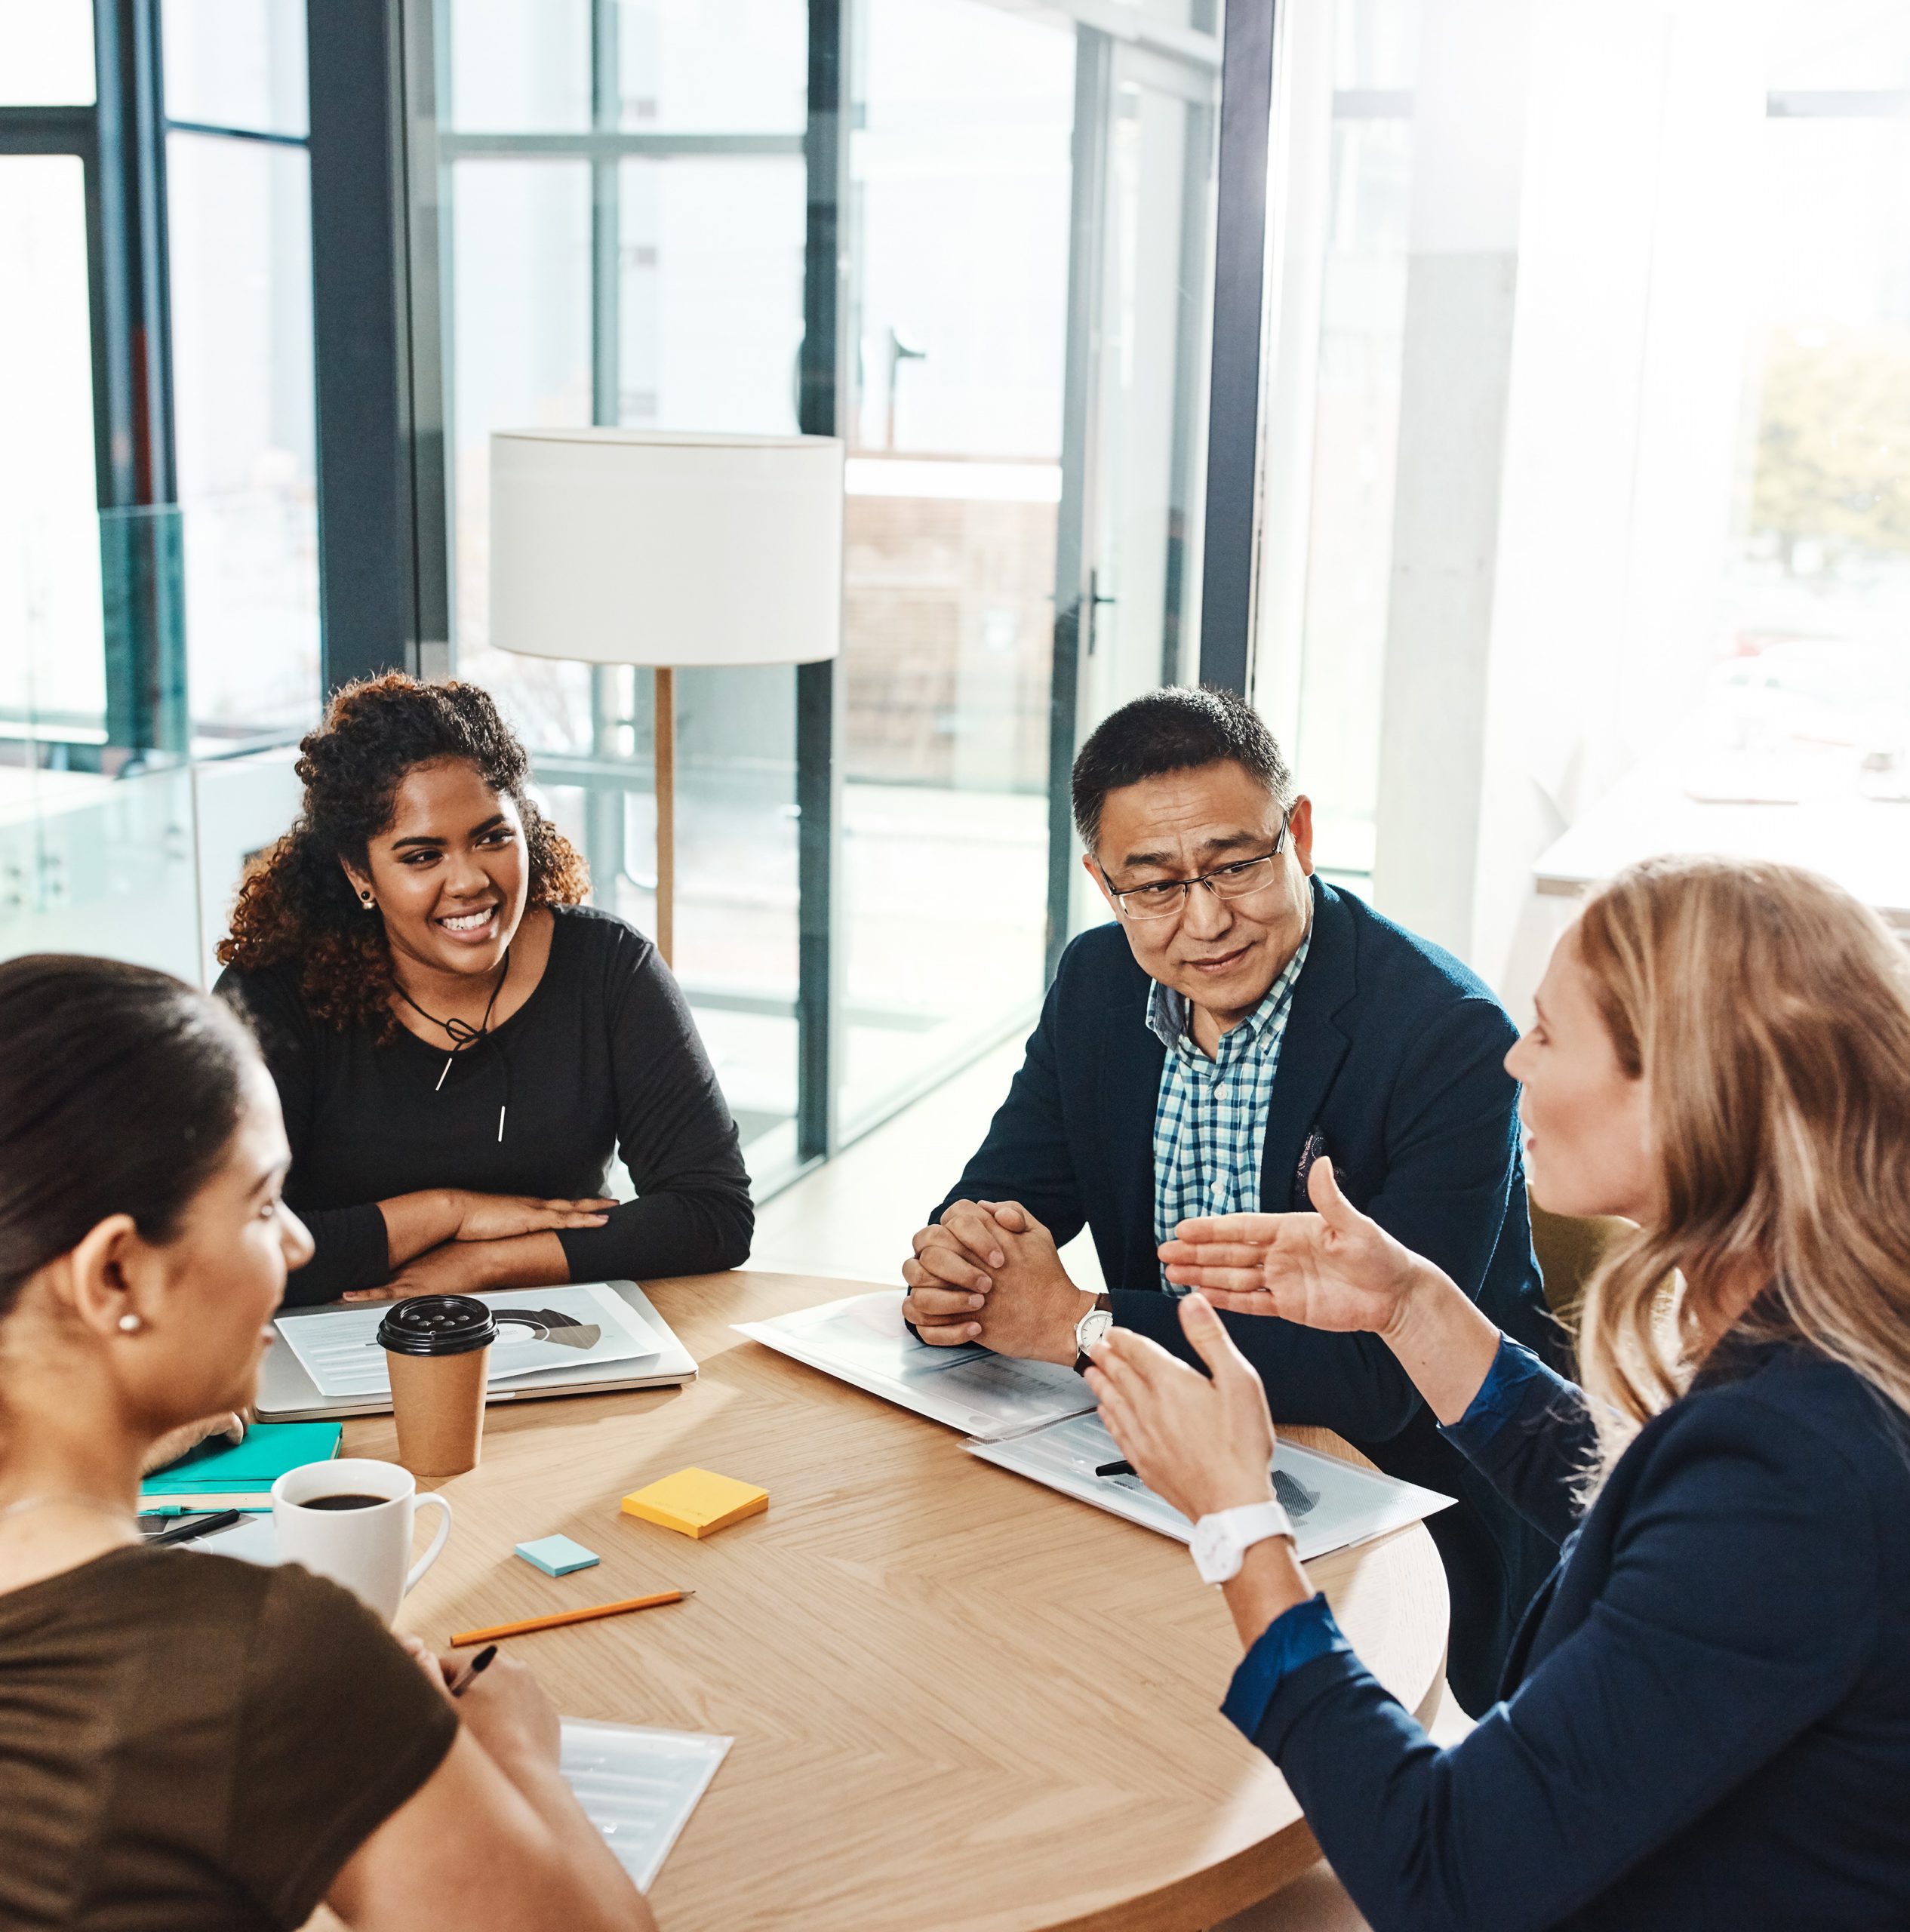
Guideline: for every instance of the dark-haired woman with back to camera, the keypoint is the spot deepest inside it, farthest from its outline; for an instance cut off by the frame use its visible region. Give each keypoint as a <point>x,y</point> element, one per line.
<point>460,1047</point>
<point>190,1743</point>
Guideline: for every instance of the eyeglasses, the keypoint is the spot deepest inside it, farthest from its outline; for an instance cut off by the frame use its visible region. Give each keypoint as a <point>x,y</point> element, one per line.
<point>1241,880</point>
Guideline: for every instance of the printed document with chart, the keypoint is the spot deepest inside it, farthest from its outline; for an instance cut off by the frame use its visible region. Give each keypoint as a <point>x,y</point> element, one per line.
<point>1334,1504</point>
<point>538,1330</point>
<point>863,1340</point>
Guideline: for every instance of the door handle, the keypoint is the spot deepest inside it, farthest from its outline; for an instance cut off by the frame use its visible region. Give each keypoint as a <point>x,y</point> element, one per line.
<point>1095,601</point>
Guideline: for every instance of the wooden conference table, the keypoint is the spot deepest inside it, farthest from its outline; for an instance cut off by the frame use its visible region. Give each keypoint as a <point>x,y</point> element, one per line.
<point>960,1701</point>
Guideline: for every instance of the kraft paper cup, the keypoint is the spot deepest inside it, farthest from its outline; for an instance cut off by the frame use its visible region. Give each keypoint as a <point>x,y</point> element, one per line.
<point>438,1348</point>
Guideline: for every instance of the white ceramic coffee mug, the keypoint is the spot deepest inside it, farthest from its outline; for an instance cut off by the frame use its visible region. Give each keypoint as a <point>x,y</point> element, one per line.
<point>368,1549</point>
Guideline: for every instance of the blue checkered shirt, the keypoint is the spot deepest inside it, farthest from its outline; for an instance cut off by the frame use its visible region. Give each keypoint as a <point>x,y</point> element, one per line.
<point>1210,1116</point>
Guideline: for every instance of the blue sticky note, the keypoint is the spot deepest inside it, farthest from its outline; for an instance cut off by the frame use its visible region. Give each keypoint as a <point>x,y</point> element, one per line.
<point>557,1556</point>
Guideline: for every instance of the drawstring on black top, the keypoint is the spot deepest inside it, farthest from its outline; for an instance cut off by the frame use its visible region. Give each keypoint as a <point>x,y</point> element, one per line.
<point>463,1036</point>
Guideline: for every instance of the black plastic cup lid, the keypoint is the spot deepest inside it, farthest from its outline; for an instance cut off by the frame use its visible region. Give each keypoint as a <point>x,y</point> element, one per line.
<point>437,1325</point>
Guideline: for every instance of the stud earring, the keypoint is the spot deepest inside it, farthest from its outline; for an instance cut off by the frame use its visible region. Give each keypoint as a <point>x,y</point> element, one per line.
<point>130,1324</point>
<point>365,900</point>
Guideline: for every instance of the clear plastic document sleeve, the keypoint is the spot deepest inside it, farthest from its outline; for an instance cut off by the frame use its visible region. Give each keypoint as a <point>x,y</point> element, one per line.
<point>638,1787</point>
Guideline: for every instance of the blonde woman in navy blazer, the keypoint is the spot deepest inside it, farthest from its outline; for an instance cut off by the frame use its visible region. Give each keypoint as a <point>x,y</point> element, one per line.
<point>1705,1718</point>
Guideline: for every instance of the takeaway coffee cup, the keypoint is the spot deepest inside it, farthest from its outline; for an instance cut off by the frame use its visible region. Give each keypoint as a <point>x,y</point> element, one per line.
<point>438,1348</point>
<point>351,1519</point>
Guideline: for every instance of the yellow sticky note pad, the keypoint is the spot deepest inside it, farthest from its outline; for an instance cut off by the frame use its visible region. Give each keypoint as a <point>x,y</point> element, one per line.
<point>697,1502</point>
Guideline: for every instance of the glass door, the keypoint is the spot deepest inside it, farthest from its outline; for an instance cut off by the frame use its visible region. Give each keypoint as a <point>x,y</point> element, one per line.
<point>961,189</point>
<point>1127,573</point>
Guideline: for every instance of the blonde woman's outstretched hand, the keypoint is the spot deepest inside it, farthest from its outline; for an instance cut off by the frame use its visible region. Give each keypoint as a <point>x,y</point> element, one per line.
<point>1334,1269</point>
<point>1337,1268</point>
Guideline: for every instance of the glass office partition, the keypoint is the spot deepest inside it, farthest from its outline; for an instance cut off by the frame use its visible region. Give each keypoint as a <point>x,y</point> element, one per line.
<point>129,855</point>
<point>103,866</point>
<point>517,66</point>
<point>144,866</point>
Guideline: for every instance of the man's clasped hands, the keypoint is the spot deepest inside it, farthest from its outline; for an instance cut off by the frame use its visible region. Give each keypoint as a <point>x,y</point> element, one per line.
<point>989,1272</point>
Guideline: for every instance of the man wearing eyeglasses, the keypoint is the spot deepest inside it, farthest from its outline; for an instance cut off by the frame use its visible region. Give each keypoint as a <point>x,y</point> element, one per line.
<point>1238,1019</point>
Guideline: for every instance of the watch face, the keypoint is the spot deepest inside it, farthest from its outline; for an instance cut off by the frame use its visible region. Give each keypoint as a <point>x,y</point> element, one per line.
<point>1092,1326</point>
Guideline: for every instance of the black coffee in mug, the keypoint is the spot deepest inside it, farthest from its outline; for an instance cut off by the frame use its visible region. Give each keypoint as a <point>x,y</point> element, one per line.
<point>344,1501</point>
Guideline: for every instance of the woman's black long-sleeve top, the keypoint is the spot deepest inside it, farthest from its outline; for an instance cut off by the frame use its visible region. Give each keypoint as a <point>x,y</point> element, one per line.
<point>603,1059</point>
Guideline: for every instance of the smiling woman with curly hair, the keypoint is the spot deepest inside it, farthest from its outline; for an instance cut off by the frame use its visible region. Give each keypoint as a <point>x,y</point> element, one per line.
<point>459,1045</point>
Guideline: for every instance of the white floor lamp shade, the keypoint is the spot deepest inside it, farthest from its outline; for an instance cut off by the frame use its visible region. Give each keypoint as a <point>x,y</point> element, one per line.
<point>626,546</point>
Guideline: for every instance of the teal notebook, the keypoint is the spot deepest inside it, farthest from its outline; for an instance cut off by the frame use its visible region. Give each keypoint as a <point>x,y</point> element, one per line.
<point>227,1468</point>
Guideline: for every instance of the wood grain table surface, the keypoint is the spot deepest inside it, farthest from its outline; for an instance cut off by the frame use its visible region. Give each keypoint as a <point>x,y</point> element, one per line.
<point>960,1701</point>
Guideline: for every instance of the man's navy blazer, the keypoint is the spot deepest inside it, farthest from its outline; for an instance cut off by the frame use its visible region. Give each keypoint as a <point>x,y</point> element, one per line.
<point>1392,1063</point>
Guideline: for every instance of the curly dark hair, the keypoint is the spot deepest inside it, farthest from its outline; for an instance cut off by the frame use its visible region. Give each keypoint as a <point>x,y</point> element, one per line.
<point>296,903</point>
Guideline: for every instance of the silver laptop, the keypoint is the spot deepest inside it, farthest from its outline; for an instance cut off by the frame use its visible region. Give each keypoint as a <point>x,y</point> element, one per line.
<point>287,1393</point>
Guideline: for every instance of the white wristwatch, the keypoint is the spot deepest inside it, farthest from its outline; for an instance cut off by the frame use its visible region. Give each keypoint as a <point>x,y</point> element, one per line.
<point>1089,1329</point>
<point>1221,1541</point>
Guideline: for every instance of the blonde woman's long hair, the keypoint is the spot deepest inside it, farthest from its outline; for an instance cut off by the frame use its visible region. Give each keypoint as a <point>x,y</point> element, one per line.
<point>1769,1014</point>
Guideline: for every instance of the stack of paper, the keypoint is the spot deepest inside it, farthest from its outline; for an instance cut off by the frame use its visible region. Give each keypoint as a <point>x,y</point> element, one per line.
<point>1039,1421</point>
<point>864,1341</point>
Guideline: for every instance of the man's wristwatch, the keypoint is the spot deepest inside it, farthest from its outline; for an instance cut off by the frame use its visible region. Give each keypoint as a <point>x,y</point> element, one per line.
<point>1089,1329</point>
<point>1221,1541</point>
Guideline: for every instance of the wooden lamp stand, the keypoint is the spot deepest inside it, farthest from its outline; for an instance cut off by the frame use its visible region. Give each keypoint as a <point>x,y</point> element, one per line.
<point>664,734</point>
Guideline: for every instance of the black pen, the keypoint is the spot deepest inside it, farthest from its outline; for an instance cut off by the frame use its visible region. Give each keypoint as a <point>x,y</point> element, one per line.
<point>205,1526</point>
<point>1114,1469</point>
<point>462,1682</point>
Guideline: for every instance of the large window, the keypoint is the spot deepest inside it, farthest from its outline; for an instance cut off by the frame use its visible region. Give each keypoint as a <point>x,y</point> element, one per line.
<point>52,670</point>
<point>158,582</point>
<point>1027,197</point>
<point>238,246</point>
<point>158,567</point>
<point>625,189</point>
<point>1589,461</point>
<point>988,265</point>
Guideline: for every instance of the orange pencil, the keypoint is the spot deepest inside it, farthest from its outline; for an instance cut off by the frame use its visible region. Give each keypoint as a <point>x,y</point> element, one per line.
<point>525,1625</point>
